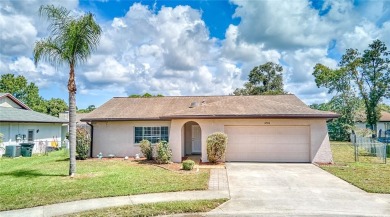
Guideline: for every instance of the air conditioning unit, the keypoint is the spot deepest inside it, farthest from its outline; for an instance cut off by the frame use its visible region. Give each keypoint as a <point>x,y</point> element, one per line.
<point>12,151</point>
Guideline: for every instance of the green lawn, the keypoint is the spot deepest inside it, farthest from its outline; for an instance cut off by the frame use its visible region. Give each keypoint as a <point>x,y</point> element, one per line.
<point>154,209</point>
<point>368,174</point>
<point>41,180</point>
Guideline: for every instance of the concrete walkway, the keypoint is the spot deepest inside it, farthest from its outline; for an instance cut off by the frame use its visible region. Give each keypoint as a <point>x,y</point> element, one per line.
<point>218,188</point>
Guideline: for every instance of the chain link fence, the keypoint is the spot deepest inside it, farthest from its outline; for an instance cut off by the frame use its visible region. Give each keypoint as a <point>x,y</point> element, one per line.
<point>370,149</point>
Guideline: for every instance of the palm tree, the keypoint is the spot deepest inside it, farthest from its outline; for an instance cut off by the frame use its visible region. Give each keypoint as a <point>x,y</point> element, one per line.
<point>72,41</point>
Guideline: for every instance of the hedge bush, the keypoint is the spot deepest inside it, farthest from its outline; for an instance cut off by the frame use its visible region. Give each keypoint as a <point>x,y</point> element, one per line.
<point>146,149</point>
<point>188,164</point>
<point>163,152</point>
<point>216,146</point>
<point>82,145</point>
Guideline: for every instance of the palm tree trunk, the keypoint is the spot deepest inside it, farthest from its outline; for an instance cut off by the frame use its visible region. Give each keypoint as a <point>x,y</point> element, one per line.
<point>72,121</point>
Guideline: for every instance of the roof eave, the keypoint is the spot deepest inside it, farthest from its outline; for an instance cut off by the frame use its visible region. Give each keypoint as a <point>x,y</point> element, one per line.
<point>328,116</point>
<point>123,119</point>
<point>27,121</point>
<point>255,116</point>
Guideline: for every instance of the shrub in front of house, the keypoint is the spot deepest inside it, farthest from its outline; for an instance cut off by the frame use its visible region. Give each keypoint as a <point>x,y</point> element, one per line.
<point>83,140</point>
<point>163,153</point>
<point>146,149</point>
<point>216,146</point>
<point>188,164</point>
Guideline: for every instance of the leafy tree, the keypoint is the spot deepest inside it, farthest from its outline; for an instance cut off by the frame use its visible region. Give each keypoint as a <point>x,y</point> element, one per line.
<point>26,92</point>
<point>339,128</point>
<point>87,110</point>
<point>263,79</point>
<point>384,107</point>
<point>71,42</point>
<point>55,106</point>
<point>367,73</point>
<point>145,95</point>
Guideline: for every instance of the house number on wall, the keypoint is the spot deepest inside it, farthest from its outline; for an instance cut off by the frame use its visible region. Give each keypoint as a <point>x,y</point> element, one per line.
<point>267,123</point>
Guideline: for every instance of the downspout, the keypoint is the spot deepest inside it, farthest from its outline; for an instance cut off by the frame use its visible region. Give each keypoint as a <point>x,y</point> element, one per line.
<point>91,145</point>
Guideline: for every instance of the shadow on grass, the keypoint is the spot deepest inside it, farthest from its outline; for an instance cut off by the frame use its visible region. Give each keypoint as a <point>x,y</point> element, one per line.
<point>28,173</point>
<point>62,160</point>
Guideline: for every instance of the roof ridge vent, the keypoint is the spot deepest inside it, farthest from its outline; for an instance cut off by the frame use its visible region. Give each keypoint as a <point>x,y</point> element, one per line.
<point>194,104</point>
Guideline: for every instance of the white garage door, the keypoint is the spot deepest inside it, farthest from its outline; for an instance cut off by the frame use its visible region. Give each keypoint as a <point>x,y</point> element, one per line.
<point>268,143</point>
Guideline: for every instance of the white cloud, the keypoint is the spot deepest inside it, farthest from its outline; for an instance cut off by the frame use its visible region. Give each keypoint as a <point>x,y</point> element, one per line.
<point>167,51</point>
<point>298,76</point>
<point>118,23</point>
<point>281,24</point>
<point>17,36</point>
<point>43,75</point>
<point>23,64</point>
<point>170,50</point>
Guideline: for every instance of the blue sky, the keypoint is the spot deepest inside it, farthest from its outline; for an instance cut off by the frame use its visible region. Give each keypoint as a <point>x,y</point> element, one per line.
<point>194,47</point>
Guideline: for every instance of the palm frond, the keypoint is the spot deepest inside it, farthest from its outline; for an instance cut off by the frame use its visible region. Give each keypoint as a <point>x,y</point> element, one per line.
<point>72,38</point>
<point>58,17</point>
<point>48,50</point>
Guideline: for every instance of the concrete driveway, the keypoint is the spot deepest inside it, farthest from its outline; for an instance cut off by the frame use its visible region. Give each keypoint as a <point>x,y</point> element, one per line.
<point>262,189</point>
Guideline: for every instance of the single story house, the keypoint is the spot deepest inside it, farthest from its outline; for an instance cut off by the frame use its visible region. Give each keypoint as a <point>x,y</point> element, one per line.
<point>264,128</point>
<point>18,123</point>
<point>382,125</point>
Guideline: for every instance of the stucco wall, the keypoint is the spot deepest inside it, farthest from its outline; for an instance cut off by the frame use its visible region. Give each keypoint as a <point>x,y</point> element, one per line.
<point>117,137</point>
<point>47,133</point>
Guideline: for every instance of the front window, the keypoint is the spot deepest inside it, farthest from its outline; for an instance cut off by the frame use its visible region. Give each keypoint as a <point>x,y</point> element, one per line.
<point>153,134</point>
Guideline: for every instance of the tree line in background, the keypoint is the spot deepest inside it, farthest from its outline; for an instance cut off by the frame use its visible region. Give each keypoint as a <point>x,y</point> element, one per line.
<point>28,93</point>
<point>145,95</point>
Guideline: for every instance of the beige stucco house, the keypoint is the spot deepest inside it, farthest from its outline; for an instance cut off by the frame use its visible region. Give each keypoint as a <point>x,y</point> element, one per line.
<point>267,128</point>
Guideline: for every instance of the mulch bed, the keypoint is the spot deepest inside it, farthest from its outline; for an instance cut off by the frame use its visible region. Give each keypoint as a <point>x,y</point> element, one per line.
<point>175,167</point>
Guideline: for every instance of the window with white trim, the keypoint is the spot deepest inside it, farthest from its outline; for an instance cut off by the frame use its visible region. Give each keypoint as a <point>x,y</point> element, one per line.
<point>153,134</point>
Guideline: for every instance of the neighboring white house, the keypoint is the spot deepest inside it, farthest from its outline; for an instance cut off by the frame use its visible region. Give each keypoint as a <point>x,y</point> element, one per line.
<point>18,123</point>
<point>266,128</point>
<point>382,125</point>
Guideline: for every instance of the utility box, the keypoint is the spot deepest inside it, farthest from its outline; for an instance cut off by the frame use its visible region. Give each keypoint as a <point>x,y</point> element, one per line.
<point>13,151</point>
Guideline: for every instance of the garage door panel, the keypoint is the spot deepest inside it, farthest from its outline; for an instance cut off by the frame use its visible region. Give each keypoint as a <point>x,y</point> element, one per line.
<point>235,138</point>
<point>268,143</point>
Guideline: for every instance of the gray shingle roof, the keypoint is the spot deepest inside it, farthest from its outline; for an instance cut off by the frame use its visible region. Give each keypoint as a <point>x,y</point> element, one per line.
<point>154,108</point>
<point>22,115</point>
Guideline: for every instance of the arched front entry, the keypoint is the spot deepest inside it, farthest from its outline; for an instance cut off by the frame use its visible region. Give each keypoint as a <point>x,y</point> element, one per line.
<point>192,142</point>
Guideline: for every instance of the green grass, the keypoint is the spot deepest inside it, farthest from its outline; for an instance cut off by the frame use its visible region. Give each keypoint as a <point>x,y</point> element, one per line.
<point>368,174</point>
<point>154,209</point>
<point>42,180</point>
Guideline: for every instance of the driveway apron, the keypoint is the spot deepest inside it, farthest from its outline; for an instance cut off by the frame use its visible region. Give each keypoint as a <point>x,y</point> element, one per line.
<point>294,190</point>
